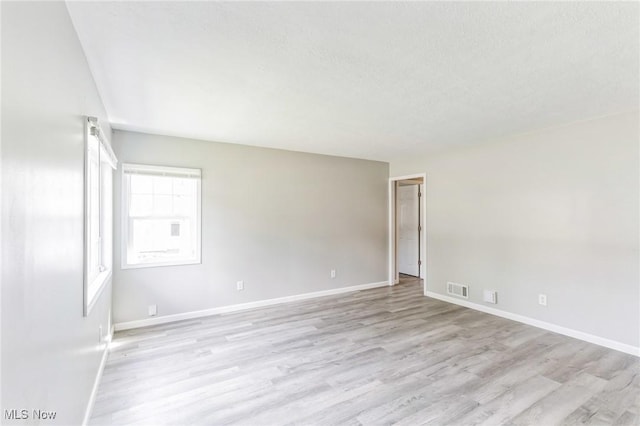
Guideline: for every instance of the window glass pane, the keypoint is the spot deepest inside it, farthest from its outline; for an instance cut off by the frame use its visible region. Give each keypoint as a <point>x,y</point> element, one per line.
<point>162,185</point>
<point>147,236</point>
<point>141,184</point>
<point>183,205</point>
<point>157,240</point>
<point>106,213</point>
<point>141,205</point>
<point>162,205</point>
<point>184,186</point>
<point>93,205</point>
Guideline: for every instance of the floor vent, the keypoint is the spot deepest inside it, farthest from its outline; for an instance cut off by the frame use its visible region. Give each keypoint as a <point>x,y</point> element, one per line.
<point>459,290</point>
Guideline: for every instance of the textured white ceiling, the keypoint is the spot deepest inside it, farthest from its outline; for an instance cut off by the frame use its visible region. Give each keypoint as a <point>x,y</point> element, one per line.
<point>360,79</point>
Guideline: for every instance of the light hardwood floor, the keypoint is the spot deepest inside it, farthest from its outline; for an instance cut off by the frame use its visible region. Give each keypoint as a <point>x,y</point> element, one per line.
<point>374,357</point>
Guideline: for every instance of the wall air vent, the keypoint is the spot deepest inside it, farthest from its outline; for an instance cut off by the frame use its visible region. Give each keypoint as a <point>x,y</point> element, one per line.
<point>460,290</point>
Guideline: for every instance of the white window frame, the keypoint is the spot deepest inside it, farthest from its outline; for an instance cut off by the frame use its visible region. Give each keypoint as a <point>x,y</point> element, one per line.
<point>125,237</point>
<point>94,285</point>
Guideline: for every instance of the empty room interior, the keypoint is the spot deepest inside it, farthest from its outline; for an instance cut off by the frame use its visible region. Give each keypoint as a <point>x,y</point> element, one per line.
<point>320,213</point>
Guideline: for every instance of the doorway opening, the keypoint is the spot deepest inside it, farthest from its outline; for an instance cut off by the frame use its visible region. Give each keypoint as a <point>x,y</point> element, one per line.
<point>407,219</point>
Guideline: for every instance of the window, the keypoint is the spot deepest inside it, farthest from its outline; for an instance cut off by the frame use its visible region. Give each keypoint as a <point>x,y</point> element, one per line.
<point>161,216</point>
<point>99,164</point>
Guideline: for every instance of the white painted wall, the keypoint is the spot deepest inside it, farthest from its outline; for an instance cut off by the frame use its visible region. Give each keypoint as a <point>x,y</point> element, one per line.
<point>278,220</point>
<point>554,212</point>
<point>50,352</point>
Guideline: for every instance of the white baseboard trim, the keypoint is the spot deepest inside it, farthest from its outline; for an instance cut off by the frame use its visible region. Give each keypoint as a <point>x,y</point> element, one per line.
<point>244,306</point>
<point>96,382</point>
<point>607,343</point>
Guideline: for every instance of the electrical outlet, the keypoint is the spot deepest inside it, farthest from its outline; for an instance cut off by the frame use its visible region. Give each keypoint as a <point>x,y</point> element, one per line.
<point>153,310</point>
<point>542,299</point>
<point>333,273</point>
<point>240,285</point>
<point>490,296</point>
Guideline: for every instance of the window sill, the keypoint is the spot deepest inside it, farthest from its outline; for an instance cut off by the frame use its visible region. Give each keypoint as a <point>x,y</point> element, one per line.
<point>160,264</point>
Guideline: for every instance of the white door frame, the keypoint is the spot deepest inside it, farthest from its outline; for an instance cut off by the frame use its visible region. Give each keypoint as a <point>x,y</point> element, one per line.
<point>394,275</point>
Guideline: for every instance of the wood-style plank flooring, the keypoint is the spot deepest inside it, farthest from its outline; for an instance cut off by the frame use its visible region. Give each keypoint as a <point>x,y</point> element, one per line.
<point>374,357</point>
